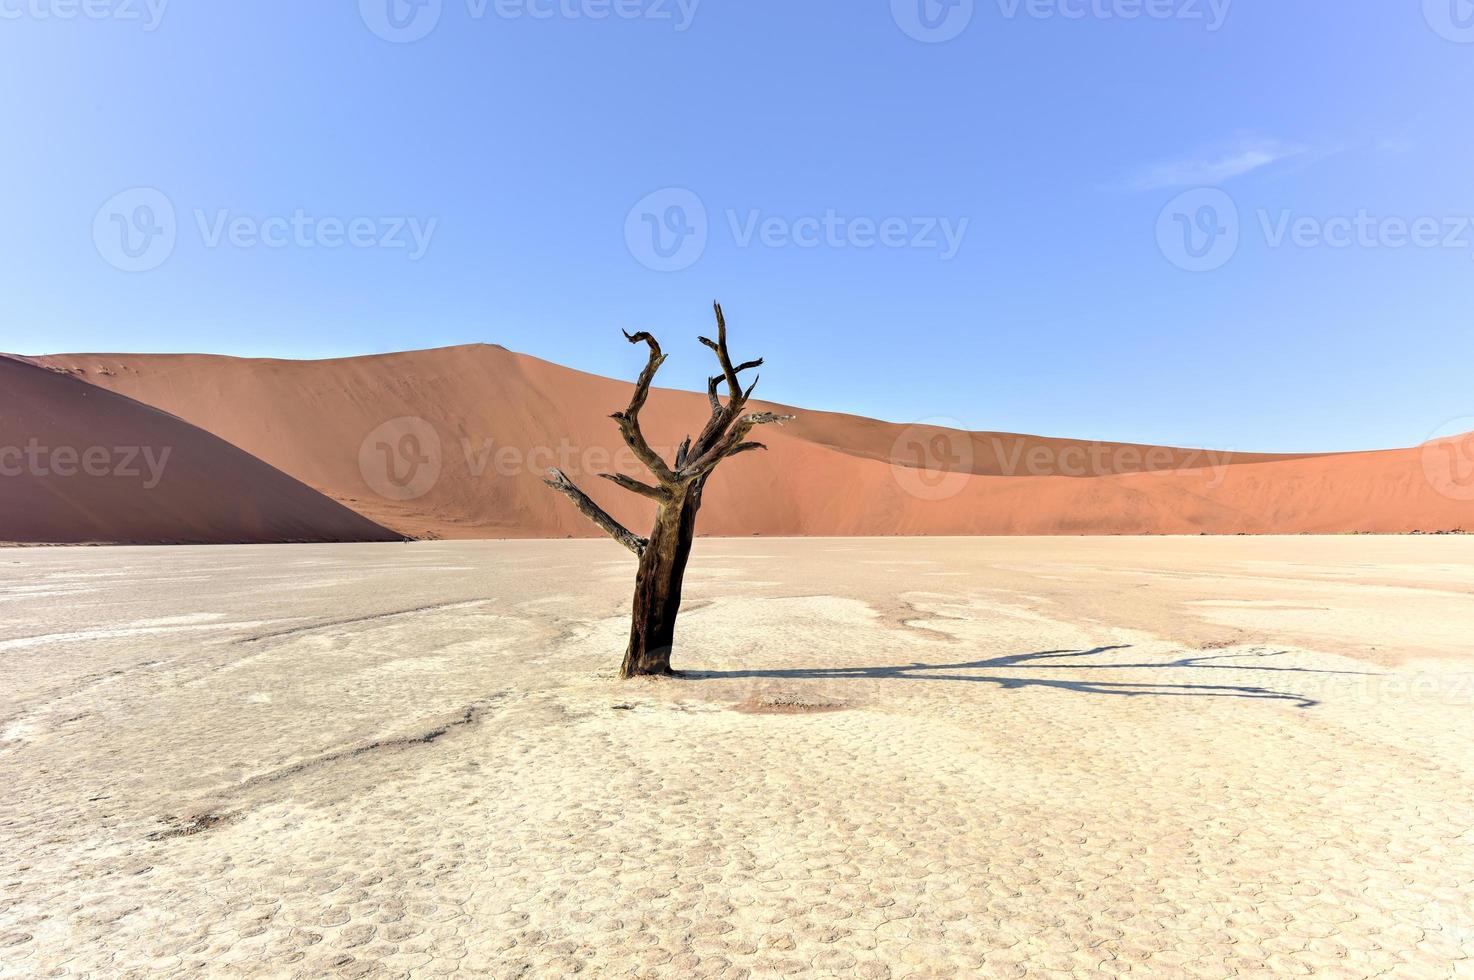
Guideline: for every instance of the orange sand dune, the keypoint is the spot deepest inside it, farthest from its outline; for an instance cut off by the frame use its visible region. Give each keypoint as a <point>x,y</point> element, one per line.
<point>80,464</point>
<point>453,443</point>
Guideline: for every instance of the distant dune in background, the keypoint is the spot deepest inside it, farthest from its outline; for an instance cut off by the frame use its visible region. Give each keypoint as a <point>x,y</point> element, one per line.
<point>453,443</point>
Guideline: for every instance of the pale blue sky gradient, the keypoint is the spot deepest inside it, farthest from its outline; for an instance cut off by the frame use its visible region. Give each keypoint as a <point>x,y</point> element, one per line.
<point>528,141</point>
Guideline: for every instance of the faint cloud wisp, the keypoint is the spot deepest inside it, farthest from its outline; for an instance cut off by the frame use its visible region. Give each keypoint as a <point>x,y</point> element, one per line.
<point>1214,167</point>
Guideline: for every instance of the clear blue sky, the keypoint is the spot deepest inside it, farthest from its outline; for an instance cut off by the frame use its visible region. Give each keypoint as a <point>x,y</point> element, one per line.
<point>528,140</point>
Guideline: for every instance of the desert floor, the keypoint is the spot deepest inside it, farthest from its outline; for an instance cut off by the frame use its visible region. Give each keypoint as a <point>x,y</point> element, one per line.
<point>920,757</point>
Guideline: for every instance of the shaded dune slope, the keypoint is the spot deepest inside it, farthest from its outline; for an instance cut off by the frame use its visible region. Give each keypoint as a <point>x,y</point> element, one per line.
<point>82,464</point>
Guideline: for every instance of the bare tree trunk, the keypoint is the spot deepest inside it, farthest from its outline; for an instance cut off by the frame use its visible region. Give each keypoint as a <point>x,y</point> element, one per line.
<point>658,584</point>
<point>676,491</point>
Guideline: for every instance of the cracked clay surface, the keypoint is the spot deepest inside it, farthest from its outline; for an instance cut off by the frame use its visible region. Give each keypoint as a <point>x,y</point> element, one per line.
<point>889,758</point>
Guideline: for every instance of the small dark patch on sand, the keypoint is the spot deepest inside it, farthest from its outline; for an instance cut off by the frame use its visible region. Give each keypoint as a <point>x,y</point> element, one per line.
<point>787,703</point>
<point>197,824</point>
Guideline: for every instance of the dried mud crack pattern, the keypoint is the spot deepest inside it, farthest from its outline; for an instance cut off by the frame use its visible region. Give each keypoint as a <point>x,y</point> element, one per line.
<point>997,789</point>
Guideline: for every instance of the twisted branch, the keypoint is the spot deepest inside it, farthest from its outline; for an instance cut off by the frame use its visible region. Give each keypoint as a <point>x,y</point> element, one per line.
<point>722,415</point>
<point>629,419</point>
<point>559,482</point>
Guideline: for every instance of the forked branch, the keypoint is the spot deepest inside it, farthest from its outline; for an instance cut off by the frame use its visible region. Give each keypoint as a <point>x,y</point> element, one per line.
<point>734,389</point>
<point>723,415</point>
<point>731,443</point>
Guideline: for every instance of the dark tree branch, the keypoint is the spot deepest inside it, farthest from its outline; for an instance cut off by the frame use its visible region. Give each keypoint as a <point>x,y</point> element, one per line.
<point>728,443</point>
<point>734,389</point>
<point>629,419</point>
<point>745,447</point>
<point>723,415</point>
<point>642,385</point>
<point>683,452</point>
<point>559,482</point>
<point>635,486</point>
<point>716,379</point>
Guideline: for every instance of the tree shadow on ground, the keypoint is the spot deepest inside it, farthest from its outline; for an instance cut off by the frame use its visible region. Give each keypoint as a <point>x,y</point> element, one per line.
<point>1050,660</point>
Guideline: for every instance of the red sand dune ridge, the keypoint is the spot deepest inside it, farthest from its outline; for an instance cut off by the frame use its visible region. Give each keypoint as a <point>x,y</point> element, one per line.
<point>485,423</point>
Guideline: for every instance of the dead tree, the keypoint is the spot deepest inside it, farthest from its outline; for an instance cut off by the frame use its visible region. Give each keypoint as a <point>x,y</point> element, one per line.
<point>676,491</point>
